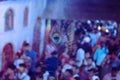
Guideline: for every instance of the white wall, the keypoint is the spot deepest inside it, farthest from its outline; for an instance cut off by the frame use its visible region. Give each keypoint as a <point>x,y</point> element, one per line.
<point>19,33</point>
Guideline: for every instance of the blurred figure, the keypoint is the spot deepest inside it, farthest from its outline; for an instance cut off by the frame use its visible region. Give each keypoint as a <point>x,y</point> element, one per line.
<point>86,45</point>
<point>100,55</point>
<point>65,57</point>
<point>22,75</point>
<point>89,63</point>
<point>113,75</point>
<point>50,47</point>
<point>53,63</point>
<point>94,37</point>
<point>10,73</point>
<point>93,75</point>
<point>19,59</point>
<point>75,70</point>
<point>82,73</point>
<point>39,72</point>
<point>68,75</point>
<point>32,55</point>
<point>80,56</point>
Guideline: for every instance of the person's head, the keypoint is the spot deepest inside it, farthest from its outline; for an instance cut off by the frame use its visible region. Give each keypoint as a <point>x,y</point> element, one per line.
<point>11,68</point>
<point>22,67</point>
<point>27,47</point>
<point>38,76</point>
<point>68,73</point>
<point>54,53</point>
<point>86,39</point>
<point>82,68</point>
<point>103,44</point>
<point>91,72</point>
<point>19,54</point>
<point>89,60</point>
<point>75,69</point>
<point>114,71</point>
<point>87,55</point>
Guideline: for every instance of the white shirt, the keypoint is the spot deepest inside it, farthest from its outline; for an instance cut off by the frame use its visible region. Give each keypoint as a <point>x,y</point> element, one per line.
<point>23,76</point>
<point>17,62</point>
<point>80,56</point>
<point>46,75</point>
<point>65,67</point>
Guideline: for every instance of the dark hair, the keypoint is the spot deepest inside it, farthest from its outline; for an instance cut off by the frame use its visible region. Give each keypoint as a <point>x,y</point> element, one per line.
<point>11,66</point>
<point>114,69</point>
<point>77,78</point>
<point>22,65</point>
<point>54,53</point>
<point>75,66</point>
<point>26,44</point>
<point>38,65</point>
<point>19,54</point>
<point>69,71</point>
<point>38,74</point>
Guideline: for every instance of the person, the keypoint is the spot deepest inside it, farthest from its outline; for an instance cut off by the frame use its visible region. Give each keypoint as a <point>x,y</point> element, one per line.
<point>18,59</point>
<point>22,75</point>
<point>10,72</point>
<point>80,56</point>
<point>113,75</point>
<point>53,63</point>
<point>100,56</point>
<point>93,74</point>
<point>32,56</point>
<point>75,70</point>
<point>89,63</point>
<point>65,57</point>
<point>86,44</point>
<point>50,47</point>
<point>94,38</point>
<point>39,74</point>
<point>68,75</point>
<point>82,73</point>
<point>51,78</point>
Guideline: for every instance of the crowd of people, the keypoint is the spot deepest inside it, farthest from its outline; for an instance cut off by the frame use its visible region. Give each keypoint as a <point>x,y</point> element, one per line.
<point>95,55</point>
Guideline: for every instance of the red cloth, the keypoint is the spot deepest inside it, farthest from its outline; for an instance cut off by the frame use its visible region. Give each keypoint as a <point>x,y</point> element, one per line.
<point>66,59</point>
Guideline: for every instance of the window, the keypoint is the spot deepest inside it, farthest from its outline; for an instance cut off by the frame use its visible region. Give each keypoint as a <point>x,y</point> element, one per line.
<point>9,18</point>
<point>26,17</point>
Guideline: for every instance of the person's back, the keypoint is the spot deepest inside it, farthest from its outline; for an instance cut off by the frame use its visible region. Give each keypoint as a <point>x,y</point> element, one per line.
<point>52,63</point>
<point>33,56</point>
<point>100,55</point>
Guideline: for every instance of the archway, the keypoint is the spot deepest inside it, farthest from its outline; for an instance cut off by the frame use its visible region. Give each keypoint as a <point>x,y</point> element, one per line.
<point>26,13</point>
<point>9,20</point>
<point>7,55</point>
